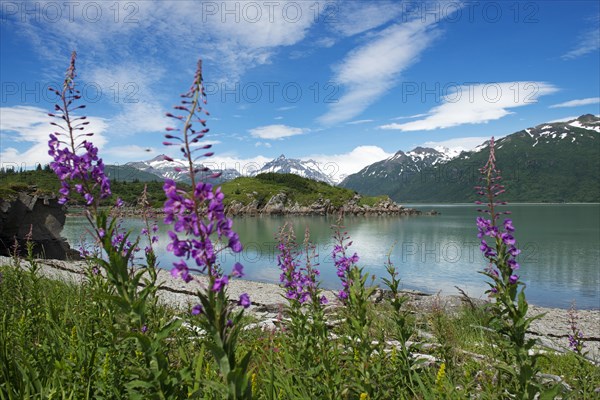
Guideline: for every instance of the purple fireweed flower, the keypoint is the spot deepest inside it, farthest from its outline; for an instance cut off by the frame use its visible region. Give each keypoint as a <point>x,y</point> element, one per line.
<point>298,279</point>
<point>181,270</point>
<point>342,262</point>
<point>197,309</point>
<point>74,158</point>
<point>244,300</point>
<point>503,254</point>
<point>513,264</point>
<point>220,283</point>
<point>238,270</point>
<point>200,228</point>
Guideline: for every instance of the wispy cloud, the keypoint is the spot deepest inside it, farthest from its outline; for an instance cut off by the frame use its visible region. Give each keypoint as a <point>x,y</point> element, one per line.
<point>409,117</point>
<point>234,35</point>
<point>271,132</point>
<point>360,121</point>
<point>30,126</point>
<point>588,42</point>
<point>476,104</point>
<point>371,70</point>
<point>286,108</point>
<point>577,103</point>
<point>354,17</point>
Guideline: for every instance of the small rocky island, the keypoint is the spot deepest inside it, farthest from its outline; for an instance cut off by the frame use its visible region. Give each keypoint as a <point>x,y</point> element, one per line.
<point>280,204</point>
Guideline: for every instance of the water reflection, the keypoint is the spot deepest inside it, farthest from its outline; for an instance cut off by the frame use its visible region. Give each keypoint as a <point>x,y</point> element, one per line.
<point>560,254</point>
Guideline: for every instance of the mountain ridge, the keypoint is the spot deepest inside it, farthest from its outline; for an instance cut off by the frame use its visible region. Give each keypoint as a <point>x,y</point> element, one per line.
<point>551,162</point>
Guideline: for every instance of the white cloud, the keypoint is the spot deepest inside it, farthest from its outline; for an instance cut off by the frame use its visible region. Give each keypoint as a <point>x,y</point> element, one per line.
<point>236,36</point>
<point>409,117</point>
<point>31,125</point>
<point>476,104</point>
<point>370,71</point>
<point>266,144</point>
<point>130,87</point>
<point>286,108</point>
<point>360,121</point>
<point>338,166</point>
<point>139,118</point>
<point>279,117</point>
<point>326,42</point>
<point>458,144</point>
<point>354,17</point>
<point>270,132</point>
<point>577,103</point>
<point>588,43</point>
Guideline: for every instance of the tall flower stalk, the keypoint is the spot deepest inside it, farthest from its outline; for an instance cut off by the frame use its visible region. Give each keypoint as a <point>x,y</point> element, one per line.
<point>76,161</point>
<point>306,334</point>
<point>198,218</point>
<point>509,310</point>
<point>355,298</point>
<point>126,290</point>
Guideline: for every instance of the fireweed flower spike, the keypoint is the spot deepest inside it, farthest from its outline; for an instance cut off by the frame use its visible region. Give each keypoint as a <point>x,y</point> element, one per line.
<point>197,218</point>
<point>342,262</point>
<point>508,314</point>
<point>76,161</point>
<point>502,250</point>
<point>199,215</point>
<point>299,281</point>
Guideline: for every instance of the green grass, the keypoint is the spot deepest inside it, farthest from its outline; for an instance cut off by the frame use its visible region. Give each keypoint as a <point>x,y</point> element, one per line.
<point>62,340</point>
<point>298,189</point>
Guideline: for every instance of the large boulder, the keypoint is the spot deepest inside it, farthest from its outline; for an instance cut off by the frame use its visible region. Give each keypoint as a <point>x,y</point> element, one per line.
<point>37,217</point>
<point>276,205</point>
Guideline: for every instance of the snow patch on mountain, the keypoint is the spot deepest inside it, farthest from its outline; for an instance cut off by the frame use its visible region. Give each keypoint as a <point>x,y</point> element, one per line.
<point>308,169</point>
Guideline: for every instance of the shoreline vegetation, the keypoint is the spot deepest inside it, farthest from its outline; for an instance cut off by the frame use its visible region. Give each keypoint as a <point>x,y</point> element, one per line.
<point>447,336</point>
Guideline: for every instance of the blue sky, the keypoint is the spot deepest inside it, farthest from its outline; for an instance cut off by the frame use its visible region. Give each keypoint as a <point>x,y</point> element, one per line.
<point>346,83</point>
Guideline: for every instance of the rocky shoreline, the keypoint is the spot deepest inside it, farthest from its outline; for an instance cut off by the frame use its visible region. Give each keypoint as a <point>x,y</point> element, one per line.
<point>280,204</point>
<point>551,330</point>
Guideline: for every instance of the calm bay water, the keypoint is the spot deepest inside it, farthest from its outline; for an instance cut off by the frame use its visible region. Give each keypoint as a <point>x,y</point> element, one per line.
<point>560,259</point>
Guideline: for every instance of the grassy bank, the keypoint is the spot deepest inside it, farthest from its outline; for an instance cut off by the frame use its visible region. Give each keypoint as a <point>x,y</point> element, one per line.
<point>64,340</point>
<point>244,189</point>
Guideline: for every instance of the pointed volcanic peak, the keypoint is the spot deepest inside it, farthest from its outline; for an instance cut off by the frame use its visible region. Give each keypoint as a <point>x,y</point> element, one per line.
<point>308,169</point>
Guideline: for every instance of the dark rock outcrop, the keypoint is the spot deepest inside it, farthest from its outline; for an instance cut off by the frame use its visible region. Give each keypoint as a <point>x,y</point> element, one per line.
<point>41,217</point>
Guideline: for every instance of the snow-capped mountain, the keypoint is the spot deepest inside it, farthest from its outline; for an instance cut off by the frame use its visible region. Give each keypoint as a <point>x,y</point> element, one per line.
<point>307,169</point>
<point>551,162</point>
<point>177,169</point>
<point>398,167</point>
